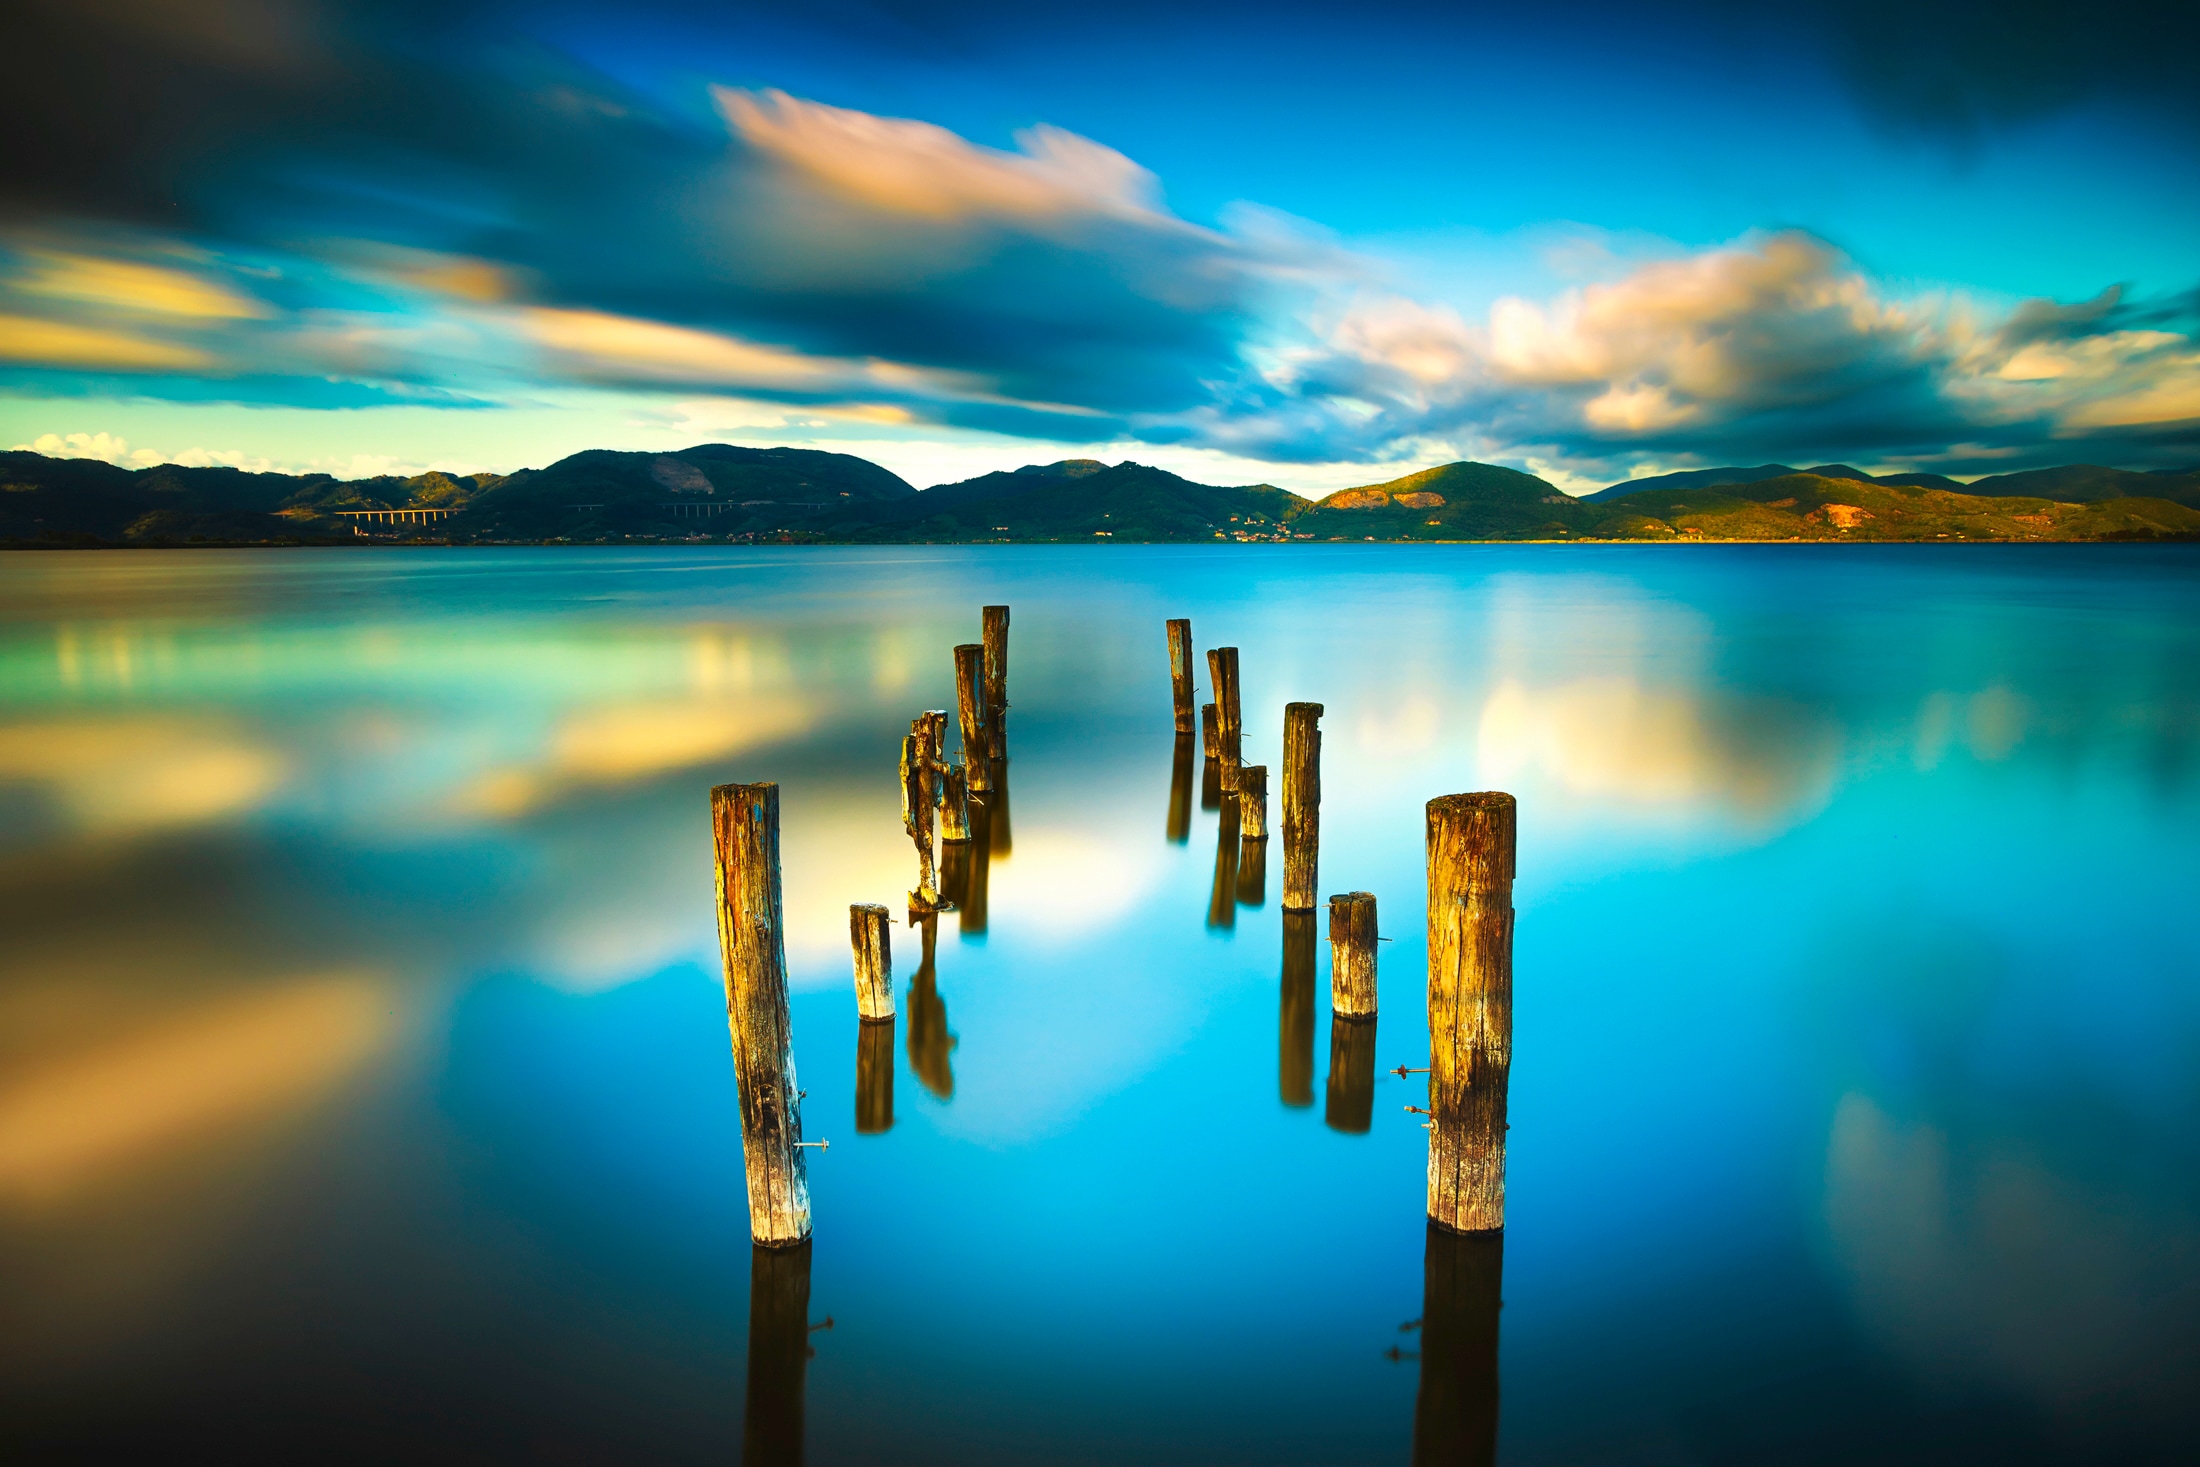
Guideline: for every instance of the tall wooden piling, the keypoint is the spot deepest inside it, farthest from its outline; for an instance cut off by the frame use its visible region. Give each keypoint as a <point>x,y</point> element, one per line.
<point>1351,1102</point>
<point>1302,804</point>
<point>1253,802</point>
<point>995,637</point>
<point>779,1356</point>
<point>1222,675</point>
<point>1180,672</point>
<point>751,938</point>
<point>970,707</point>
<point>1295,1013</point>
<point>875,1078</point>
<point>1352,938</point>
<point>874,960</point>
<point>1471,842</point>
<point>1180,791</point>
<point>1455,1410</point>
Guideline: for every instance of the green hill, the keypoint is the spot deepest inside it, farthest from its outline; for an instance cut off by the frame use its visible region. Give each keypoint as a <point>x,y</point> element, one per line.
<point>1811,507</point>
<point>2090,483</point>
<point>1081,500</point>
<point>1462,501</point>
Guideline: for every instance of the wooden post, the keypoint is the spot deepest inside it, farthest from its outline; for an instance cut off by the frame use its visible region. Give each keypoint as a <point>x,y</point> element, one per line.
<point>929,1042</point>
<point>920,797</point>
<point>875,1078</point>
<point>1470,927</point>
<point>1455,1411</point>
<point>1210,731</point>
<point>970,705</point>
<point>745,830</point>
<point>779,1355</point>
<point>1180,792</point>
<point>1222,900</point>
<point>1180,671</point>
<point>1222,673</point>
<point>1302,804</point>
<point>954,807</point>
<point>1351,1105</point>
<point>1352,937</point>
<point>996,680</point>
<point>1253,802</point>
<point>867,934</point>
<point>1295,1018</point>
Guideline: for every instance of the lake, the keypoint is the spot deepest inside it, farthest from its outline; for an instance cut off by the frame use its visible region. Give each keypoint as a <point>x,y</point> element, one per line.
<point>365,1088</point>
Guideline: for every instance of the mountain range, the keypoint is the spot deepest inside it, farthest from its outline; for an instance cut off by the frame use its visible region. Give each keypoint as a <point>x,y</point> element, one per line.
<point>721,492</point>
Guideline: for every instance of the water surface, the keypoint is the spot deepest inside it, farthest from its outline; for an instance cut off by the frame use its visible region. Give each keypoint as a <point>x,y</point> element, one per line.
<point>365,1088</point>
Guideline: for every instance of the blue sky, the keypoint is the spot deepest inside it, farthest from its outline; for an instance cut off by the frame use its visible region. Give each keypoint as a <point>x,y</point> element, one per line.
<point>1309,245</point>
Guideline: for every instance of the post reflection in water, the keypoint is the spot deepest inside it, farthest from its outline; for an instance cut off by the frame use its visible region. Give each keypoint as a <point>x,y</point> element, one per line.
<point>1180,792</point>
<point>998,844</point>
<point>929,1041</point>
<point>1210,783</point>
<point>874,1076</point>
<point>779,1354</point>
<point>1222,906</point>
<point>1295,1022</point>
<point>966,865</point>
<point>1252,873</point>
<point>1455,1412</point>
<point>1351,1104</point>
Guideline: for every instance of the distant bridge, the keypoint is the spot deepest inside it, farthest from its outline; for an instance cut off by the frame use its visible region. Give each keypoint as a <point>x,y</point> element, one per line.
<point>396,516</point>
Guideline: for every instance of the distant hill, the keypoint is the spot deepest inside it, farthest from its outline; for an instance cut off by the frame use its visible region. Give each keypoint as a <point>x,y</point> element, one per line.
<point>720,492</point>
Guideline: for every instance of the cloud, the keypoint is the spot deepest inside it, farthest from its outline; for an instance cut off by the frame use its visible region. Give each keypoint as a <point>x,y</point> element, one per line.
<point>129,285</point>
<point>106,447</point>
<point>41,343</point>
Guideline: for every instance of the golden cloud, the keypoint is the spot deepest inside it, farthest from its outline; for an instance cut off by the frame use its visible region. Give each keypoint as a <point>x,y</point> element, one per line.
<point>58,344</point>
<point>128,285</point>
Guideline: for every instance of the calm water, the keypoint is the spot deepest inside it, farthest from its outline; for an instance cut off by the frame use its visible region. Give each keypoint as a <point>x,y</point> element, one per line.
<point>365,1088</point>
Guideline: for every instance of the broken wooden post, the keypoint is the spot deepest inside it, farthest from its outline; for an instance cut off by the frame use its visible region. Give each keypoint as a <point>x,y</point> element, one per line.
<point>1180,671</point>
<point>1222,674</point>
<point>779,1355</point>
<point>995,637</point>
<point>970,705</point>
<point>745,831</point>
<point>1295,1018</point>
<point>1302,804</point>
<point>875,1077</point>
<point>1470,927</point>
<point>920,797</point>
<point>1352,938</point>
<point>1351,1103</point>
<point>1180,791</point>
<point>874,956</point>
<point>1253,802</point>
<point>1455,1410</point>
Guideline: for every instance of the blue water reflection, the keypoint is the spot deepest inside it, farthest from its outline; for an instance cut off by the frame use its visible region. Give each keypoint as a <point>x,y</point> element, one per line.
<point>364,1073</point>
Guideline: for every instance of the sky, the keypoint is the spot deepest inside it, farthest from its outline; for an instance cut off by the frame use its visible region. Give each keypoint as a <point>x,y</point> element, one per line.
<point>1313,246</point>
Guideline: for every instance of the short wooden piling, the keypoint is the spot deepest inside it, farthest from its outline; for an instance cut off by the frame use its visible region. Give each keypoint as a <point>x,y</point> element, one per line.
<point>1180,672</point>
<point>1222,674</point>
<point>752,941</point>
<point>1253,802</point>
<point>1351,1101</point>
<point>1180,791</point>
<point>1295,1013</point>
<point>995,635</point>
<point>1352,938</point>
<point>970,707</point>
<point>779,1356</point>
<point>1210,731</point>
<point>1302,804</point>
<point>874,960</point>
<point>1471,842</point>
<point>875,1078</point>
<point>954,806</point>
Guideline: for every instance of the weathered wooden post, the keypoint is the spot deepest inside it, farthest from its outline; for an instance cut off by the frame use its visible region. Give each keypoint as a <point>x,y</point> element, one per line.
<point>745,830</point>
<point>1455,1411</point>
<point>875,1077</point>
<point>970,705</point>
<point>1302,804</point>
<point>995,637</point>
<point>874,959</point>
<point>1351,1105</point>
<point>1210,730</point>
<point>1180,671</point>
<point>1210,765</point>
<point>920,798</point>
<point>1222,672</point>
<point>1295,1019</point>
<point>1222,900</point>
<point>929,1042</point>
<point>1471,842</point>
<point>954,808</point>
<point>779,1355</point>
<point>1352,938</point>
<point>1253,802</point>
<point>1180,792</point>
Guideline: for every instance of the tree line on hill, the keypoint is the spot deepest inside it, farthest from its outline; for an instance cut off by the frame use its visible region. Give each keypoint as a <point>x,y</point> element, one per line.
<point>720,492</point>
